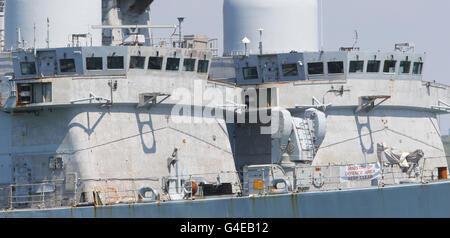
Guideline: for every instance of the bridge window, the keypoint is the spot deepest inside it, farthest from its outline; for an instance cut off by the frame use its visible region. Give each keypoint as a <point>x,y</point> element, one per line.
<point>250,73</point>
<point>203,66</point>
<point>315,68</point>
<point>155,63</point>
<point>289,70</point>
<point>137,62</point>
<point>336,67</point>
<point>189,65</point>
<point>28,68</point>
<point>373,66</point>
<point>389,66</point>
<point>173,64</point>
<point>356,66</point>
<point>418,67</point>
<point>67,65</point>
<point>94,63</point>
<point>405,67</point>
<point>115,62</point>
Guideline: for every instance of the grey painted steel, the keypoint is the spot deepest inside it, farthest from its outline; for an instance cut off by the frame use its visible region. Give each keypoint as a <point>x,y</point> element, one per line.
<point>406,201</point>
<point>78,137</point>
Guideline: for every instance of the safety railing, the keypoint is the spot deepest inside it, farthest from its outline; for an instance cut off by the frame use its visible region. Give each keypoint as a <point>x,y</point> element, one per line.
<point>255,52</point>
<point>174,42</point>
<point>178,183</point>
<point>333,183</point>
<point>164,42</point>
<point>114,196</point>
<point>52,193</point>
<point>38,195</point>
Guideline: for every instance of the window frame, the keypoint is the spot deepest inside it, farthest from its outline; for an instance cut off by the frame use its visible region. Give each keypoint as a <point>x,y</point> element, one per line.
<point>134,57</point>
<point>357,62</point>
<point>178,65</point>
<point>28,63</point>
<point>72,60</point>
<point>205,64</point>
<point>318,63</point>
<point>335,62</point>
<point>101,60</point>
<point>420,72</point>
<point>161,61</point>
<point>244,70</point>
<point>395,66</point>
<point>193,65</point>
<point>409,67</point>
<point>373,72</point>
<point>111,57</point>
<point>283,69</point>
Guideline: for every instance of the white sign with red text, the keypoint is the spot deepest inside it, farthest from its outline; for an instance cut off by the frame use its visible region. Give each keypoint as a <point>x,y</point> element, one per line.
<point>360,172</point>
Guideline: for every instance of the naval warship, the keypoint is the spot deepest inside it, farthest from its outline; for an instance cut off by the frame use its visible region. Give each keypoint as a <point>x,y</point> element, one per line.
<point>102,119</point>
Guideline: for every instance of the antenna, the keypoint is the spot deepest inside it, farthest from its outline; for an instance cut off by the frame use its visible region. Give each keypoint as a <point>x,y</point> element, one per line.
<point>246,41</point>
<point>260,30</point>
<point>34,36</point>
<point>150,30</point>
<point>353,48</point>
<point>356,38</point>
<point>34,40</point>
<point>48,32</point>
<point>180,20</point>
<point>404,47</point>
<point>321,25</point>
<point>19,40</point>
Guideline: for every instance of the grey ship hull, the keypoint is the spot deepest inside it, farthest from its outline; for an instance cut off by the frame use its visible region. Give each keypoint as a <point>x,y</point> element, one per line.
<point>402,201</point>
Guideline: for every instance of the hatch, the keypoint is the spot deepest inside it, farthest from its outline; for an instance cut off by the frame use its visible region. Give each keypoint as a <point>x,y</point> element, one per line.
<point>47,63</point>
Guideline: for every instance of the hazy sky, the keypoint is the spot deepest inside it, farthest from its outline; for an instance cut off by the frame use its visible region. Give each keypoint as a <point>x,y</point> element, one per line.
<point>380,24</point>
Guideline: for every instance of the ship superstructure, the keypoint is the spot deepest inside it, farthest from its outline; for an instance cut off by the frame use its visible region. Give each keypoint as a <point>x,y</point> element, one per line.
<point>137,122</point>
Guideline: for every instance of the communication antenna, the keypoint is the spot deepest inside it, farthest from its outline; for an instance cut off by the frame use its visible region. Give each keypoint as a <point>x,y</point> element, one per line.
<point>180,20</point>
<point>356,38</point>
<point>48,32</point>
<point>321,25</point>
<point>34,39</point>
<point>34,36</point>
<point>19,40</point>
<point>260,30</point>
<point>245,41</point>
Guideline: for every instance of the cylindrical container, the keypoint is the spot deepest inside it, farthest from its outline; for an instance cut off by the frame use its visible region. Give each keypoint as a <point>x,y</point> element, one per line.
<point>33,23</point>
<point>288,25</point>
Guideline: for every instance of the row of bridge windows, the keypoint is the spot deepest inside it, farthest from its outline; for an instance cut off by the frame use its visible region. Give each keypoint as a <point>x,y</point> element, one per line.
<point>337,67</point>
<point>117,62</point>
<point>372,66</point>
<point>155,63</point>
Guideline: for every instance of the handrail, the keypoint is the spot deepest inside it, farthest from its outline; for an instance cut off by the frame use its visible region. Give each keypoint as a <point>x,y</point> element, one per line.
<point>19,195</point>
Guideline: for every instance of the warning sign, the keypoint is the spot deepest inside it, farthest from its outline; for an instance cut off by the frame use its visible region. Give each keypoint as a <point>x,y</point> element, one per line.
<point>360,172</point>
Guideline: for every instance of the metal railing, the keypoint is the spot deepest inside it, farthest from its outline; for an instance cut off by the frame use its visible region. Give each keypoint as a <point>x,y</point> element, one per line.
<point>52,193</point>
<point>173,42</point>
<point>38,195</point>
<point>255,52</point>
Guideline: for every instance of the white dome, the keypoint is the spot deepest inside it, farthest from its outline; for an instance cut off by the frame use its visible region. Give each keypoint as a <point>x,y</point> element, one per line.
<point>288,25</point>
<point>66,17</point>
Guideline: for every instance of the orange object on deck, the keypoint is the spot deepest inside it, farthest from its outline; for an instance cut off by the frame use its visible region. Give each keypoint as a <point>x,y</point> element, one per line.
<point>442,173</point>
